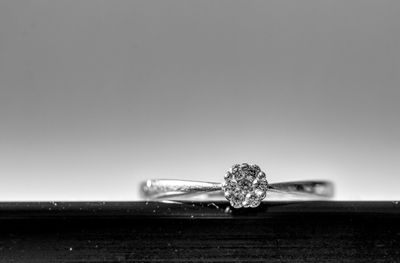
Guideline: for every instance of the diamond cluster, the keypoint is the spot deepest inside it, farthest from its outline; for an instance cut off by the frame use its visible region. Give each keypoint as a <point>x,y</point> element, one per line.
<point>245,185</point>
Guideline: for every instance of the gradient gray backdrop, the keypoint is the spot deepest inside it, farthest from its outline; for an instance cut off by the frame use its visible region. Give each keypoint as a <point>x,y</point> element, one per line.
<point>98,95</point>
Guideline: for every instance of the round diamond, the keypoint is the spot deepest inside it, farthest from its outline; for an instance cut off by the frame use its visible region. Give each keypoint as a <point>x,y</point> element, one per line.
<point>228,175</point>
<point>260,184</point>
<point>256,168</point>
<point>260,193</point>
<point>239,175</point>
<point>252,200</point>
<point>261,175</point>
<point>245,185</point>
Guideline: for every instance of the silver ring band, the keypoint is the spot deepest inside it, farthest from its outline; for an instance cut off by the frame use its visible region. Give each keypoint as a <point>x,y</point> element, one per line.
<point>245,186</point>
<point>166,188</point>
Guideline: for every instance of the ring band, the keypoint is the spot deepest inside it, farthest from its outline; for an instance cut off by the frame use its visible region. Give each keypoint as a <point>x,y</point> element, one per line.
<point>245,186</point>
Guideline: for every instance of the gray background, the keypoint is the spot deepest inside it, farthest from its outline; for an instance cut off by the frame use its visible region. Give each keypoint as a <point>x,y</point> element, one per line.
<point>98,95</point>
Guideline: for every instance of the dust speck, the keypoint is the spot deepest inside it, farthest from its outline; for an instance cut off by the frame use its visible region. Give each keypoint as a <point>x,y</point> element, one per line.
<point>213,204</point>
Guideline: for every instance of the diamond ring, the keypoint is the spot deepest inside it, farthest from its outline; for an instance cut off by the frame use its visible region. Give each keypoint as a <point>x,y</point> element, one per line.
<point>245,185</point>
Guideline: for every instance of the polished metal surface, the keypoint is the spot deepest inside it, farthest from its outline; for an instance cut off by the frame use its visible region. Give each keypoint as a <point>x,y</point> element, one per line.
<point>167,188</point>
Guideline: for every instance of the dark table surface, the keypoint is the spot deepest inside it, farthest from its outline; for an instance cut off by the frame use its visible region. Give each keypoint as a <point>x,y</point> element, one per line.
<point>193,231</point>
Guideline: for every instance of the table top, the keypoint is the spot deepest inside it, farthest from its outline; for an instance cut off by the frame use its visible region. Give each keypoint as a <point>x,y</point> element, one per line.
<point>176,209</point>
<point>199,232</point>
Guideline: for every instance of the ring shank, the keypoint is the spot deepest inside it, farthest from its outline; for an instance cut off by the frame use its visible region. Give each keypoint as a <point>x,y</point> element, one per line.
<point>184,189</point>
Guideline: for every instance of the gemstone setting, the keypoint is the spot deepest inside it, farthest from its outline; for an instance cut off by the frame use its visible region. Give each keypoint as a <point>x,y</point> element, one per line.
<point>245,185</point>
